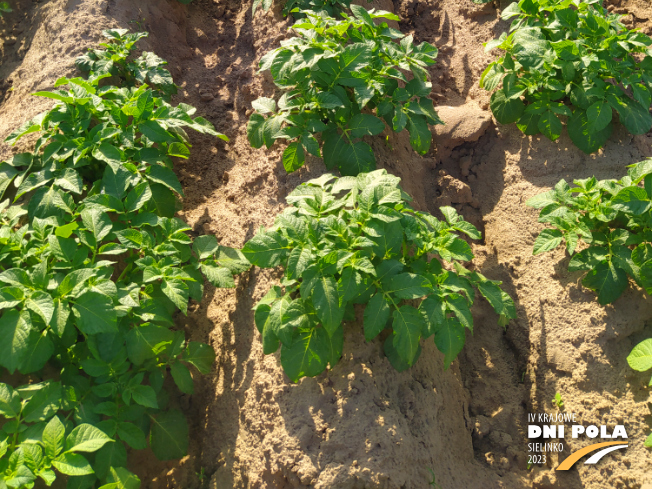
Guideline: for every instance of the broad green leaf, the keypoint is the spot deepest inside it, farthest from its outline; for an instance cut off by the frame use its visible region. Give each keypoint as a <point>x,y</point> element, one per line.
<point>169,435</point>
<point>376,315</point>
<point>42,304</point>
<point>501,302</point>
<point>177,291</point>
<point>351,159</point>
<point>44,403</point>
<point>53,438</point>
<point>326,300</point>
<point>155,132</point>
<point>633,115</point>
<point>95,313</point>
<point>40,348</point>
<point>529,123</point>
<point>264,105</point>
<point>365,125</point>
<point>407,325</point>
<point>599,116</point>
<point>583,136</point>
<point>97,222</point>
<point>220,277</point>
<point>72,464</point>
<point>550,125</point>
<point>608,281</point>
<point>147,341</point>
<point>205,246</point>
<point>109,154</point>
<point>632,200</point>
<point>450,338</point>
<point>201,355</point>
<point>433,309</point>
<point>164,176</point>
<point>530,47</point>
<point>9,401</point>
<point>387,236</point>
<point>420,135</point>
<point>132,435</point>
<point>293,157</point>
<point>119,477</point>
<point>506,111</point>
<point>182,377</point>
<point>460,307</point>
<point>549,239</point>
<point>399,364</point>
<point>112,456</point>
<point>350,284</point>
<point>138,197</point>
<point>145,396</point>
<point>16,276</point>
<point>408,286</point>
<point>266,250</point>
<point>162,201</point>
<point>298,260</point>
<point>308,355</point>
<point>14,331</point>
<point>641,356</point>
<point>255,128</point>
<point>86,438</point>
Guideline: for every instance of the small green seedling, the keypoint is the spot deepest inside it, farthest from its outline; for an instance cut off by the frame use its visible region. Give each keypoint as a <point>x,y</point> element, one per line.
<point>433,482</point>
<point>4,8</point>
<point>558,402</point>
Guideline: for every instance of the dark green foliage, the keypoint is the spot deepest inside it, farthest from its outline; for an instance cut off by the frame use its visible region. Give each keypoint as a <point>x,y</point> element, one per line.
<point>355,240</point>
<point>148,68</point>
<point>570,60</point>
<point>343,80</point>
<point>334,8</point>
<point>613,218</point>
<point>93,268</point>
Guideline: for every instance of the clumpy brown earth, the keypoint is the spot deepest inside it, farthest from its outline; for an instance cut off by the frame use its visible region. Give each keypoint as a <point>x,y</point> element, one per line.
<point>363,425</point>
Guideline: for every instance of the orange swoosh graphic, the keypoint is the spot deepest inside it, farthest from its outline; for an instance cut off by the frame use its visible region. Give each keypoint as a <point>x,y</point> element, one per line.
<point>574,457</point>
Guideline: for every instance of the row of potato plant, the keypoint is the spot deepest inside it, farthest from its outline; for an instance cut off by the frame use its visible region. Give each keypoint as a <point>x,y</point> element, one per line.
<point>342,80</point>
<point>606,227</point>
<point>573,61</point>
<point>94,265</point>
<point>355,239</point>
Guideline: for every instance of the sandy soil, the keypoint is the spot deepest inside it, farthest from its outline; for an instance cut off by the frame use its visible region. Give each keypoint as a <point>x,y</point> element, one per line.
<point>363,425</point>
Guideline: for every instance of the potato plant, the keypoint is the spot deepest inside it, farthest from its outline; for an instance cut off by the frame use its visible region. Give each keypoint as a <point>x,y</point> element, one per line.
<point>334,8</point>
<point>605,226</point>
<point>570,60</point>
<point>340,80</point>
<point>355,240</point>
<point>115,60</point>
<point>640,359</point>
<point>93,268</point>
